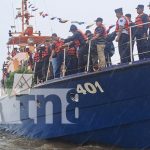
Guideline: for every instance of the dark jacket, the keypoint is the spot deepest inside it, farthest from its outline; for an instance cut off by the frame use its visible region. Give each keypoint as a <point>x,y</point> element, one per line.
<point>101,31</point>
<point>77,36</point>
<point>109,48</point>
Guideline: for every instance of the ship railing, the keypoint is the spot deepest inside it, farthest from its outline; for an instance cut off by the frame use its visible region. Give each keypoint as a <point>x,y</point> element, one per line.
<point>88,65</point>
<point>131,41</point>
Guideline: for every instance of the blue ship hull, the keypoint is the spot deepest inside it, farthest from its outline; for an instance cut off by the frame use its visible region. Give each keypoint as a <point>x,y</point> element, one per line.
<point>117,113</point>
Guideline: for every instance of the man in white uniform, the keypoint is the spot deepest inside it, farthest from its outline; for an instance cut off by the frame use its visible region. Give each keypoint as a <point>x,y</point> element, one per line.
<point>122,30</point>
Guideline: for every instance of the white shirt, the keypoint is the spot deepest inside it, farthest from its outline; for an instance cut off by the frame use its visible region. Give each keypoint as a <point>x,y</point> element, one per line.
<point>122,22</point>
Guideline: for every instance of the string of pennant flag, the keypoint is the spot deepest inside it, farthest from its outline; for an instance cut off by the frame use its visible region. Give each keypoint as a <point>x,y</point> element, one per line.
<point>43,14</point>
<point>60,20</point>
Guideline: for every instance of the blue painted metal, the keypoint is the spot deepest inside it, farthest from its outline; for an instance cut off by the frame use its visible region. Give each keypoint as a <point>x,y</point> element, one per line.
<point>119,116</point>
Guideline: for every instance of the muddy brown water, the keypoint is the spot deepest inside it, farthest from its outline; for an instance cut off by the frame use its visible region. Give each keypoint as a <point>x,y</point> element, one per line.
<point>11,142</point>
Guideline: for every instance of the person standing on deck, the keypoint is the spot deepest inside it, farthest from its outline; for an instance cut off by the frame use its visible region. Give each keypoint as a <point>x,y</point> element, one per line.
<point>100,35</point>
<point>131,24</point>
<point>141,32</point>
<point>58,53</point>
<point>122,31</point>
<point>149,31</point>
<point>38,65</point>
<point>79,40</point>
<point>71,59</point>
<point>93,52</point>
<point>46,57</point>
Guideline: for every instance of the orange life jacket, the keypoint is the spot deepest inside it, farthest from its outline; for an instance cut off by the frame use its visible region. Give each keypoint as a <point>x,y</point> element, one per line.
<point>126,27</point>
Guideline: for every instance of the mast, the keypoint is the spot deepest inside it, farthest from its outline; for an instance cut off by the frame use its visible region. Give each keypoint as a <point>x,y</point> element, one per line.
<point>25,15</point>
<point>23,3</point>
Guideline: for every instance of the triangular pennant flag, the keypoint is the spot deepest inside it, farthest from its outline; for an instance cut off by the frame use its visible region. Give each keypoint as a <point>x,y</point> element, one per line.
<point>53,18</point>
<point>62,21</point>
<point>41,13</point>
<point>89,26</point>
<point>77,22</point>
<point>30,5</point>
<point>35,9</point>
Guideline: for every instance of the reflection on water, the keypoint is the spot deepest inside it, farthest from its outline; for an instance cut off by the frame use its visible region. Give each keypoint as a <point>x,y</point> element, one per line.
<point>11,142</point>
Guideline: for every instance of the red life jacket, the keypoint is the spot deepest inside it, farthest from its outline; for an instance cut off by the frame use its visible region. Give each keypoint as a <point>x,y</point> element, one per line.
<point>36,57</point>
<point>13,53</point>
<point>45,52</point>
<point>126,27</point>
<point>58,46</point>
<point>139,21</point>
<point>77,42</point>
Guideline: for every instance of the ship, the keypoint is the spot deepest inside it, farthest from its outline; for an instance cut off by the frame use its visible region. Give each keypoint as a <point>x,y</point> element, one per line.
<point>111,106</point>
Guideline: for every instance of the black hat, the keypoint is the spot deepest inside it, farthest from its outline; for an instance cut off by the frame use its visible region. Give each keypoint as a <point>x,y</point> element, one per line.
<point>73,28</point>
<point>99,20</point>
<point>88,32</point>
<point>119,10</point>
<point>140,7</point>
<point>54,34</point>
<point>41,47</point>
<point>128,15</point>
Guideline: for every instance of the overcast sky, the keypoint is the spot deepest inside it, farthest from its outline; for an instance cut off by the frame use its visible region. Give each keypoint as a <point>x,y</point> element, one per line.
<point>78,10</point>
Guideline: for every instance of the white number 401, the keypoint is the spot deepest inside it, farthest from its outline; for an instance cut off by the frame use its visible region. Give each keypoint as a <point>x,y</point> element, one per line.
<point>89,88</point>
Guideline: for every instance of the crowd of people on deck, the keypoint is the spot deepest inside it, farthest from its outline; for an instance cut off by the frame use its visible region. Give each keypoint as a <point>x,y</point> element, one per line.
<point>57,57</point>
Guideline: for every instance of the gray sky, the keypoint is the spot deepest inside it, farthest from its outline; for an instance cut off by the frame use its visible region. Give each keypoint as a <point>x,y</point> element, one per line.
<point>78,10</point>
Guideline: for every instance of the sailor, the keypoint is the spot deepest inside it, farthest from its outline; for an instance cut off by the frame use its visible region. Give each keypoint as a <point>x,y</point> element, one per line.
<point>50,72</point>
<point>58,53</point>
<point>46,57</point>
<point>93,52</point>
<point>71,59</point>
<point>109,48</point>
<point>131,24</point>
<point>122,31</point>
<point>149,30</point>
<point>79,40</point>
<point>53,57</point>
<point>141,32</point>
<point>38,63</point>
<point>99,38</point>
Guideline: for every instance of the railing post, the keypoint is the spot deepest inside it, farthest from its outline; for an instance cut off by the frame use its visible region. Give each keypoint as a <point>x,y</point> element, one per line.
<point>131,46</point>
<point>64,65</point>
<point>48,70</point>
<point>89,54</point>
